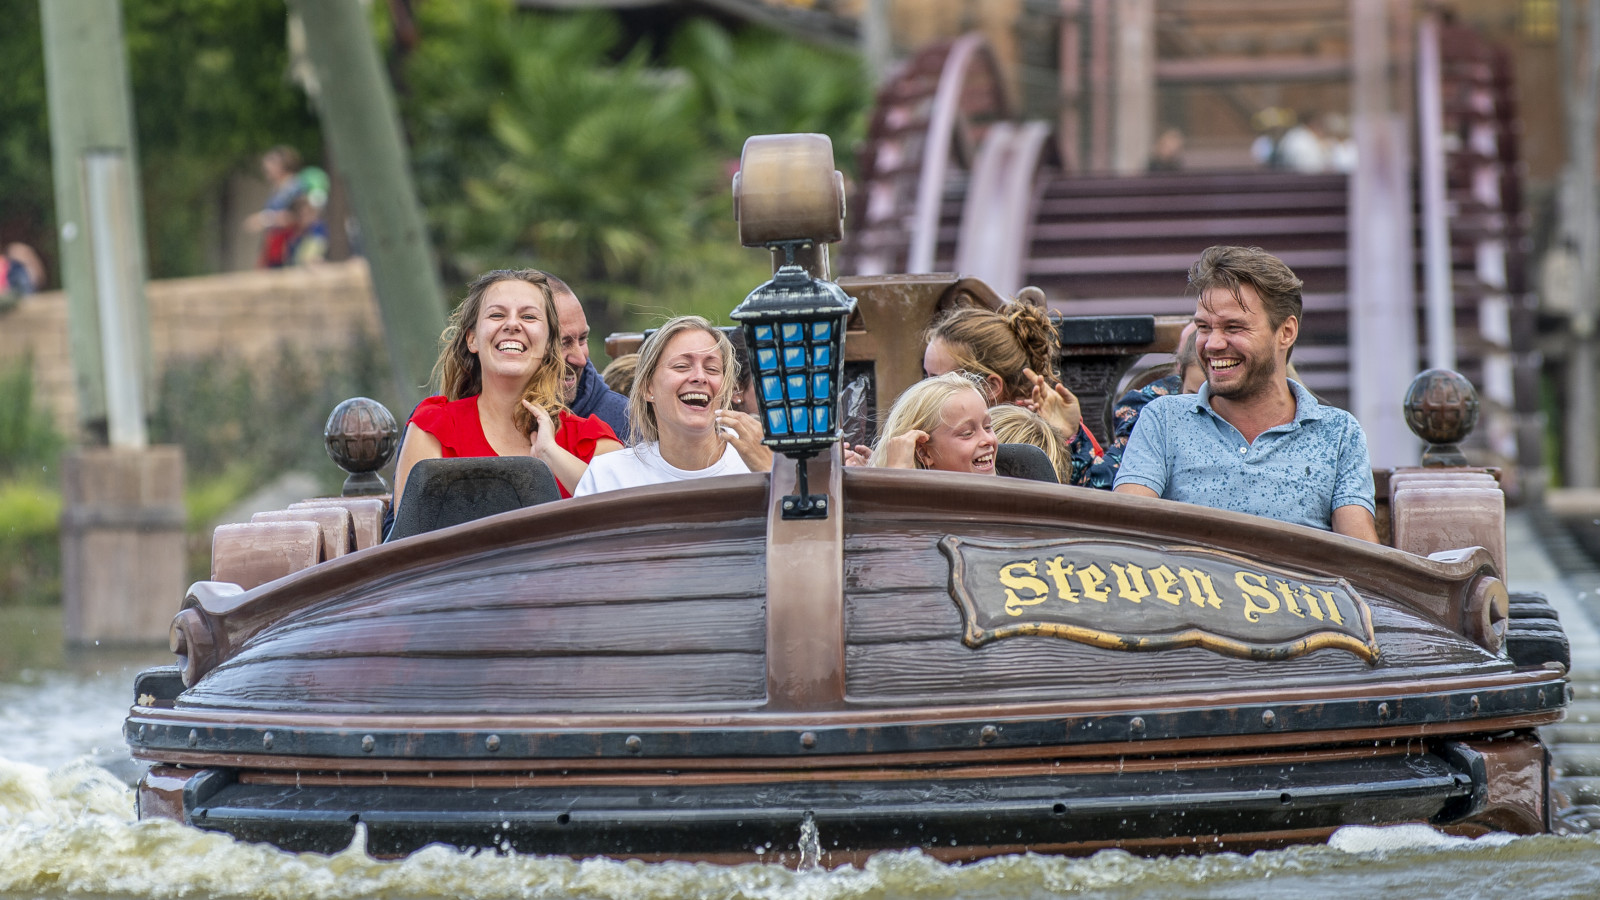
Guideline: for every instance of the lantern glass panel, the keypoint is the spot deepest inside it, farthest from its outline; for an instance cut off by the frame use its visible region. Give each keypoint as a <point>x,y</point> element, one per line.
<point>771,389</point>
<point>799,419</point>
<point>778,420</point>
<point>794,357</point>
<point>820,418</point>
<point>767,359</point>
<point>763,333</point>
<point>822,386</point>
<point>822,356</point>
<point>792,331</point>
<point>821,331</point>
<point>797,388</point>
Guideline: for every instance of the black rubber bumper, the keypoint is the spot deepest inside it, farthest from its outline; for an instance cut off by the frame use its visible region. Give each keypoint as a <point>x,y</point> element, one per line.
<point>763,818</point>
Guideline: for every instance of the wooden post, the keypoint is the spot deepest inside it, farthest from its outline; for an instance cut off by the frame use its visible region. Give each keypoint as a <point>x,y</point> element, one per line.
<point>1134,132</point>
<point>122,544</point>
<point>1069,127</point>
<point>1580,84</point>
<point>359,118</point>
<point>1099,86</point>
<point>98,208</point>
<point>1440,303</point>
<point>1383,330</point>
<point>122,534</point>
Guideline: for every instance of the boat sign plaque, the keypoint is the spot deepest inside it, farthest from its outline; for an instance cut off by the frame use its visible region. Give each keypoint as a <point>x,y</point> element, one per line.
<point>1127,597</point>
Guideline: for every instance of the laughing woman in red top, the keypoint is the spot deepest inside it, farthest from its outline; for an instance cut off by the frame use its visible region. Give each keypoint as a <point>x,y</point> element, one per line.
<point>501,378</point>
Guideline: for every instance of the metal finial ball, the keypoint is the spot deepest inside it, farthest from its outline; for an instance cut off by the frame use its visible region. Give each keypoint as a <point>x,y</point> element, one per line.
<point>1441,406</point>
<point>361,435</point>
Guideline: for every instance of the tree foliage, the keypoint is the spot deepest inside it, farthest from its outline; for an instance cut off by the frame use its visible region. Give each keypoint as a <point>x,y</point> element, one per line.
<point>548,140</point>
<point>211,92</point>
<point>27,198</point>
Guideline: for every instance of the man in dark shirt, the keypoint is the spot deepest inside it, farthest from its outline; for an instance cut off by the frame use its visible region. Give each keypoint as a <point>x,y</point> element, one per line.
<point>586,391</point>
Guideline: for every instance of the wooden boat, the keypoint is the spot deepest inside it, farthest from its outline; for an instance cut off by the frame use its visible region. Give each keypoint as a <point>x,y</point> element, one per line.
<point>968,665</point>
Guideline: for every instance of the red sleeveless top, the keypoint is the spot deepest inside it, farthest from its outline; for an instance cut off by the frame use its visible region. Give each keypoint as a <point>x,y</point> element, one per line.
<point>456,425</point>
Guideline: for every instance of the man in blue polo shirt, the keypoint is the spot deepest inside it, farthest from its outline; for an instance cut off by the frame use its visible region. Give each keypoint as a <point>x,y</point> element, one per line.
<point>1252,440</point>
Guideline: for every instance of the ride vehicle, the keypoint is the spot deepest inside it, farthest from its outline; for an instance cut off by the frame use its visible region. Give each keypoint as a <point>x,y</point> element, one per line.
<point>821,662</point>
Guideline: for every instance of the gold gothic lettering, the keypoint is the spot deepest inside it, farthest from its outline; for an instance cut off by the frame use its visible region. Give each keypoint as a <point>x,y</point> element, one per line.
<point>1201,590</point>
<point>1130,582</point>
<point>1091,580</point>
<point>1063,588</point>
<point>1164,581</point>
<point>1333,609</point>
<point>1254,587</point>
<point>1038,591</point>
<point>1312,606</point>
<point>1287,593</point>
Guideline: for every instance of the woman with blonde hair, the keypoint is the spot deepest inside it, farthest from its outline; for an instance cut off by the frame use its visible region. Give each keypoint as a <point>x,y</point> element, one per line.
<point>500,375</point>
<point>938,423</point>
<point>682,426</point>
<point>1013,350</point>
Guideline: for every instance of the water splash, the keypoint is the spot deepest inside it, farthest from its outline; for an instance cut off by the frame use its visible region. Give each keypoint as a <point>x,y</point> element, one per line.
<point>810,844</point>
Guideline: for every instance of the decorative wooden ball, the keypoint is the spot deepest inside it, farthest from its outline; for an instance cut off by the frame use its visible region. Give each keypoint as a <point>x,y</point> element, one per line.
<point>361,435</point>
<point>1441,406</point>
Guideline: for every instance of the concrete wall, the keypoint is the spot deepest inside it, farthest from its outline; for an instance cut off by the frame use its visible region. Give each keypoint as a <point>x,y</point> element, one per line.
<point>245,315</point>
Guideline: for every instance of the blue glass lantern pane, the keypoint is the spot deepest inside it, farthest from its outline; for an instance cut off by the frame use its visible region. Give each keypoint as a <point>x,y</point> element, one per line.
<point>794,357</point>
<point>777,420</point>
<point>767,360</point>
<point>763,332</point>
<point>792,331</point>
<point>822,386</point>
<point>819,416</point>
<point>822,356</point>
<point>771,389</point>
<point>800,420</point>
<point>797,387</point>
<point>821,331</point>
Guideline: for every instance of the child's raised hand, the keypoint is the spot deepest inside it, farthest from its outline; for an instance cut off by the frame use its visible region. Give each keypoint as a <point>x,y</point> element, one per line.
<point>900,451</point>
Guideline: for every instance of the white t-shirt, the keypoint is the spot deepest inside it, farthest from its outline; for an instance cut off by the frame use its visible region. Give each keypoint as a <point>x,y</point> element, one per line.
<point>642,464</point>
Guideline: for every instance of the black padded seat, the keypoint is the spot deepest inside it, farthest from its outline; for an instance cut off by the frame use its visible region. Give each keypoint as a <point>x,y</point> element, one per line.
<point>1024,461</point>
<point>444,492</point>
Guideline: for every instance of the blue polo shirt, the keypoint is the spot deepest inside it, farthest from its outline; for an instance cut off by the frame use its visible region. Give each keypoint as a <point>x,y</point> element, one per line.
<point>1298,472</point>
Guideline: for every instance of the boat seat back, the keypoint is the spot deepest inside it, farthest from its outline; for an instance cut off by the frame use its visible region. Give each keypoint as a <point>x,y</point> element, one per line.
<point>366,515</point>
<point>338,528</point>
<point>250,554</point>
<point>1024,461</point>
<point>440,493</point>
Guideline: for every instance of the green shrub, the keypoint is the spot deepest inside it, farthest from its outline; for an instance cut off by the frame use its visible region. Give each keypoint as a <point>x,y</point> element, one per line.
<point>245,425</point>
<point>29,442</point>
<point>30,543</point>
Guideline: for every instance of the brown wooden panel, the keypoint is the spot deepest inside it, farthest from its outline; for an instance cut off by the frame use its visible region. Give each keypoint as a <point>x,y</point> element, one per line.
<point>661,628</point>
<point>425,685</point>
<point>1035,667</point>
<point>573,575</point>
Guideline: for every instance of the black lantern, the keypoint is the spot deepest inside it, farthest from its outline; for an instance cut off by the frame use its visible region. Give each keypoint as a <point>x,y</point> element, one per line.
<point>794,330</point>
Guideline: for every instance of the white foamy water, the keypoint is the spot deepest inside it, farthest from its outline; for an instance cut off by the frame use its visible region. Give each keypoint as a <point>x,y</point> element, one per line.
<point>67,830</point>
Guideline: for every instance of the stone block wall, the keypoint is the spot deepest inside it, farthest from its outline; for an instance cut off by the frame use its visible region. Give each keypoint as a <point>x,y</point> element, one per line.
<point>243,315</point>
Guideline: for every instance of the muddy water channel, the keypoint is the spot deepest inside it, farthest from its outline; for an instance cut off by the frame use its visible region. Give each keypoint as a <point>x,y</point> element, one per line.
<point>67,829</point>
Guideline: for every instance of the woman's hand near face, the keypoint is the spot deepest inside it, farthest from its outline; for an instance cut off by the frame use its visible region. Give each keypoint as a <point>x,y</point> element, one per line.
<point>567,469</point>
<point>1055,404</point>
<point>543,438</point>
<point>743,431</point>
<point>857,455</point>
<point>900,451</point>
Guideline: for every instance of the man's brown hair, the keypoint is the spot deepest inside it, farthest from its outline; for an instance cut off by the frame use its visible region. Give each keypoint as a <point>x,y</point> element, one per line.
<point>1229,267</point>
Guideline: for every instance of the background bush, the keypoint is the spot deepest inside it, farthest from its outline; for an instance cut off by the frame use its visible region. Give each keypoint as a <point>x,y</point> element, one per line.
<point>30,500</point>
